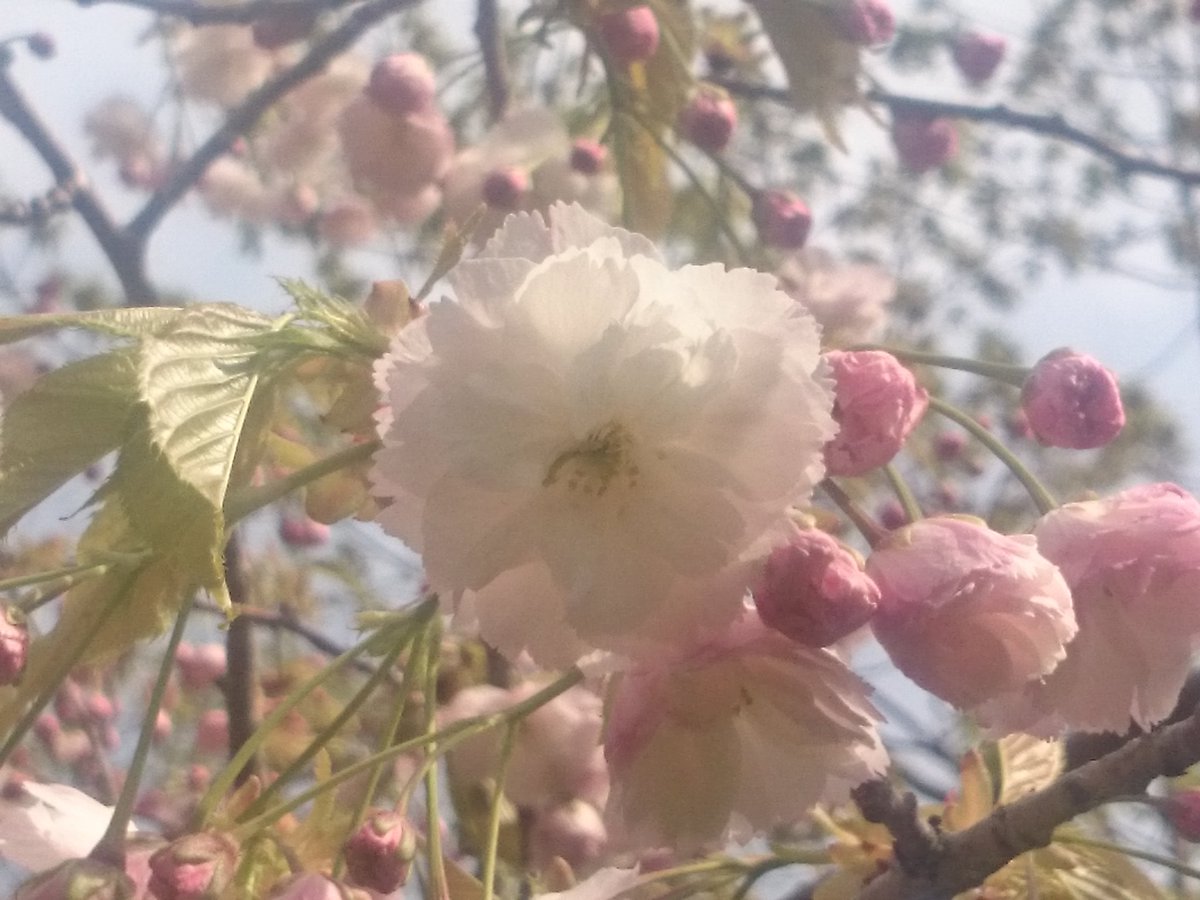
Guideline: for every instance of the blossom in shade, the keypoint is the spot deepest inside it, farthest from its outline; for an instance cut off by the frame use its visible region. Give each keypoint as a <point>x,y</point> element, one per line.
<point>978,54</point>
<point>193,867</point>
<point>629,35</point>
<point>783,220</point>
<point>878,403</point>
<point>587,446</point>
<point>849,300</point>
<point>1132,561</point>
<point>380,853</point>
<point>43,825</point>
<point>219,63</point>
<point>708,119</point>
<point>865,22</point>
<point>556,757</point>
<point>732,736</point>
<point>923,142</point>
<point>814,590</point>
<point>968,613</point>
<point>1072,401</point>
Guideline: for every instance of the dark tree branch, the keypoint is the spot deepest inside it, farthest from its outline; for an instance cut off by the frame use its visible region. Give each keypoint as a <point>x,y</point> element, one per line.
<point>1051,125</point>
<point>495,64</point>
<point>125,253</point>
<point>240,684</point>
<point>962,860</point>
<point>245,116</point>
<point>234,14</point>
<point>35,212</point>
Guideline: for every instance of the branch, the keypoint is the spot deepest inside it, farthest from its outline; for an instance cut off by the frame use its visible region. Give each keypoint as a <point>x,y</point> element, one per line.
<point>38,210</point>
<point>245,116</point>
<point>962,860</point>
<point>1051,125</point>
<point>237,14</point>
<point>495,65</point>
<point>240,684</point>
<point>125,253</point>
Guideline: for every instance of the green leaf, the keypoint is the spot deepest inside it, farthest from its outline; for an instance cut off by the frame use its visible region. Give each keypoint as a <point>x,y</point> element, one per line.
<point>1027,764</point>
<point>67,420</point>
<point>345,325</point>
<point>127,322</point>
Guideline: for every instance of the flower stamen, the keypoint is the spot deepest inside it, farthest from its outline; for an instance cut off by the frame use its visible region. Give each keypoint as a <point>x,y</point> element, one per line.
<point>594,463</point>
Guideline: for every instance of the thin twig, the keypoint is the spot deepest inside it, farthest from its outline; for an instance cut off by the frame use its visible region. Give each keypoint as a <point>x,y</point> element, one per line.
<point>240,684</point>
<point>495,64</point>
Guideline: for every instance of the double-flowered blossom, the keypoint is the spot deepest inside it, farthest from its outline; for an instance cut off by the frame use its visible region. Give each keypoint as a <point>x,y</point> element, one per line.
<point>968,613</point>
<point>737,733</point>
<point>1072,401</point>
<point>1133,563</point>
<point>590,449</point>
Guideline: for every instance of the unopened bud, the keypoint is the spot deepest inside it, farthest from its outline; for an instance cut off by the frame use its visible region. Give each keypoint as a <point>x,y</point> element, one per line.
<point>1072,401</point>
<point>814,590</point>
<point>588,156</point>
<point>630,35</point>
<point>783,220</point>
<point>302,532</point>
<point>504,188</point>
<point>978,54</point>
<point>380,854</point>
<point>402,84</point>
<point>949,445</point>
<point>868,23</point>
<point>923,142</point>
<point>1183,811</point>
<point>708,119</point>
<point>194,867</point>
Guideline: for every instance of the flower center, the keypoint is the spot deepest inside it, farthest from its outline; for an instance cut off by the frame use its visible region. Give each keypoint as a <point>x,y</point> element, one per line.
<point>593,465</point>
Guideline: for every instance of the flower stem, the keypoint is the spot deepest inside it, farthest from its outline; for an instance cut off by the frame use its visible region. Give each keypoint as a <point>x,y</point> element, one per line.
<point>111,848</point>
<point>493,826</point>
<point>1145,855</point>
<point>247,501</point>
<point>867,527</point>
<point>908,500</point>
<point>433,818</point>
<point>446,738</point>
<point>1043,498</point>
<point>1003,372</point>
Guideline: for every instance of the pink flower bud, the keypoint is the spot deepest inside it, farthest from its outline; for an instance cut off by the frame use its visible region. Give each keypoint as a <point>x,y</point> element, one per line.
<point>200,666</point>
<point>978,54</point>
<point>302,531</point>
<point>47,728</point>
<point>1183,811</point>
<point>923,142</point>
<point>42,45</point>
<point>892,515</point>
<point>504,188</point>
<point>198,778</point>
<point>79,879</point>
<point>588,156</point>
<point>708,119</point>
<point>868,23</point>
<point>162,726</point>
<point>402,84</point>
<point>380,854</point>
<point>212,731</point>
<point>814,590</point>
<point>968,613</point>
<point>877,404</point>
<point>194,867</point>
<point>1072,401</point>
<point>282,28</point>
<point>783,219</point>
<point>100,710</point>
<point>629,35</point>
<point>14,645</point>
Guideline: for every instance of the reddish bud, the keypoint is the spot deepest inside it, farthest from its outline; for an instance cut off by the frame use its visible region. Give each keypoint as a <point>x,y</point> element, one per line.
<point>402,84</point>
<point>783,219</point>
<point>949,445</point>
<point>504,188</point>
<point>100,710</point>
<point>923,142</point>
<point>212,731</point>
<point>380,854</point>
<point>814,590</point>
<point>41,45</point>
<point>14,645</point>
<point>47,728</point>
<point>194,867</point>
<point>282,28</point>
<point>629,35</point>
<point>978,54</point>
<point>1072,401</point>
<point>200,666</point>
<point>588,156</point>
<point>1183,811</point>
<point>868,23</point>
<point>301,531</point>
<point>79,879</point>
<point>892,515</point>
<point>198,777</point>
<point>162,726</point>
<point>708,119</point>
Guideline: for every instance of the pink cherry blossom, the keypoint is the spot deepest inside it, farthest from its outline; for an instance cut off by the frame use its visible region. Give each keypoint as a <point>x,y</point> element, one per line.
<point>968,613</point>
<point>734,735</point>
<point>1133,563</point>
<point>1072,401</point>
<point>849,300</point>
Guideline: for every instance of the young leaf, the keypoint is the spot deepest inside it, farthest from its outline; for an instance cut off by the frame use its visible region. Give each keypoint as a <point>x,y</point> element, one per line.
<point>1027,764</point>
<point>67,420</point>
<point>126,322</point>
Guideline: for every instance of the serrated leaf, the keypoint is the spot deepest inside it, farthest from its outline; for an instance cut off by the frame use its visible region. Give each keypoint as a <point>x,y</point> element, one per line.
<point>1027,764</point>
<point>976,793</point>
<point>1070,872</point>
<point>822,68</point>
<point>67,420</point>
<point>127,322</point>
<point>346,326</point>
